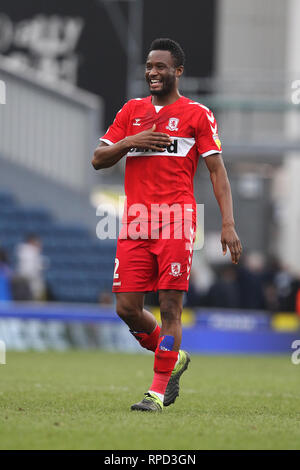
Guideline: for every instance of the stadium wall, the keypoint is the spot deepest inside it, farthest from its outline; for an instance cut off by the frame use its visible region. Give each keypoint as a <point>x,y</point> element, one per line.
<point>49,128</point>
<point>30,188</point>
<point>26,326</point>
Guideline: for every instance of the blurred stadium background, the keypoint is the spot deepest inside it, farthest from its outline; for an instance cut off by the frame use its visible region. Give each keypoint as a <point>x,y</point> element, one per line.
<point>66,68</point>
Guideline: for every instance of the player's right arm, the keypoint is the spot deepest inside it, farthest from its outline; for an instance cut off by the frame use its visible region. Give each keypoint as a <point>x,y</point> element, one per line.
<point>107,155</point>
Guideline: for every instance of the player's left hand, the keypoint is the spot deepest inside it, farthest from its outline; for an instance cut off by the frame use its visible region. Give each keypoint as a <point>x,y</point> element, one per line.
<point>230,239</point>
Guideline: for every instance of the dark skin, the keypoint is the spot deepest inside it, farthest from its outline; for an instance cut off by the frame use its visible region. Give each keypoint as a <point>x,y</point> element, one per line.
<point>130,308</point>
<point>162,77</point>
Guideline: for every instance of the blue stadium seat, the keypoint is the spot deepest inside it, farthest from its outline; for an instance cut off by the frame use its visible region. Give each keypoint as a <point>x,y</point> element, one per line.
<point>80,267</point>
<point>6,199</point>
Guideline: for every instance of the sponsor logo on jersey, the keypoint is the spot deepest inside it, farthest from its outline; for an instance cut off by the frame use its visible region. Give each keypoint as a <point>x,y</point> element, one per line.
<point>180,147</point>
<point>175,269</point>
<point>173,124</point>
<point>173,148</point>
<point>210,117</point>
<point>137,122</point>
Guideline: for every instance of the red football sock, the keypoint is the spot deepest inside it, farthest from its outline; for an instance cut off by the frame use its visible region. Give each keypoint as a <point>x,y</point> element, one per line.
<point>148,341</point>
<point>164,363</point>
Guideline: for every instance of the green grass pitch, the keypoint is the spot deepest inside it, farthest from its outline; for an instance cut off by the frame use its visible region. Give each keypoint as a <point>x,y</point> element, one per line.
<point>81,400</point>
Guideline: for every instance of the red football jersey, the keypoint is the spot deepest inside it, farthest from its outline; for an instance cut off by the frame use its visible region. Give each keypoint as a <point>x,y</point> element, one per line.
<point>154,178</point>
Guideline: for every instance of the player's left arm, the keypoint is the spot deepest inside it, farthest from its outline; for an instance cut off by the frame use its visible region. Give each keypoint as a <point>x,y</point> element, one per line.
<point>222,191</point>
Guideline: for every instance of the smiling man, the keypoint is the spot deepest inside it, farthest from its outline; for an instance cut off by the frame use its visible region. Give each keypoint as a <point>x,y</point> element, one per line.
<point>162,136</point>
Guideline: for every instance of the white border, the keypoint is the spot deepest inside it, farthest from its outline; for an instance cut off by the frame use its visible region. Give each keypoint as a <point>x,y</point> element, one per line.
<point>210,152</point>
<point>107,141</point>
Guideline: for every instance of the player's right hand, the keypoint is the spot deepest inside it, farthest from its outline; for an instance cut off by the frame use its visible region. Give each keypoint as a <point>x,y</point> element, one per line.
<point>150,139</point>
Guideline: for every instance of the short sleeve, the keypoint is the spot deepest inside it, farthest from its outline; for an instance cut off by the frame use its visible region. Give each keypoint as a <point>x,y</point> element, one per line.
<point>207,138</point>
<point>118,130</point>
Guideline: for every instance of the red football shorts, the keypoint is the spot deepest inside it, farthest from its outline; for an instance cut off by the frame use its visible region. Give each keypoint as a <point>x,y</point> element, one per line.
<point>154,257</point>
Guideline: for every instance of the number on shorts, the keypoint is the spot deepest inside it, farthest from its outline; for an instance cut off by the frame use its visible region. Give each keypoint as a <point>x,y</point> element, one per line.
<point>117,262</point>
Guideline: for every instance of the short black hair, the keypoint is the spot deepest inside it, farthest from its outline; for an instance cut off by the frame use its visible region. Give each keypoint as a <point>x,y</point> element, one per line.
<point>166,44</point>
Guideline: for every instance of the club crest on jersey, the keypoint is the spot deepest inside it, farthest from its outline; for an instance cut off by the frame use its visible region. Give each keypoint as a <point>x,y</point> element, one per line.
<point>173,124</point>
<point>137,122</point>
<point>175,269</point>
